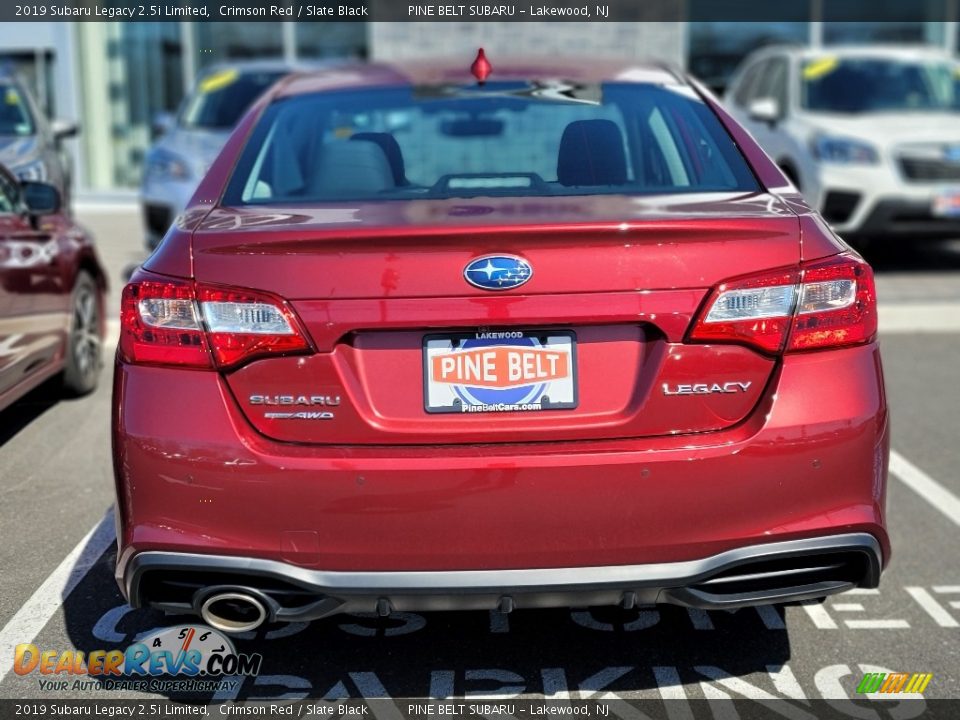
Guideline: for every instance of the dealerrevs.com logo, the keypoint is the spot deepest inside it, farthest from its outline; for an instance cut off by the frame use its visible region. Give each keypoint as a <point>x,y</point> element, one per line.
<point>187,652</point>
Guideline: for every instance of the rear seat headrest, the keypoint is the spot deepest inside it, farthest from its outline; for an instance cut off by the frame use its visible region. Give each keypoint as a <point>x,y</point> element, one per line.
<point>391,148</point>
<point>355,166</point>
<point>591,153</point>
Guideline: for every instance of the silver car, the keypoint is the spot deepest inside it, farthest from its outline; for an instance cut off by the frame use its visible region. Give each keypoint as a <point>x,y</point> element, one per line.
<point>189,142</point>
<point>30,145</point>
<point>869,134</point>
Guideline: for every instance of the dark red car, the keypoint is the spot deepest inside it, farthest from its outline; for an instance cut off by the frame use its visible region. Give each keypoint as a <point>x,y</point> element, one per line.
<point>562,337</point>
<point>51,293</point>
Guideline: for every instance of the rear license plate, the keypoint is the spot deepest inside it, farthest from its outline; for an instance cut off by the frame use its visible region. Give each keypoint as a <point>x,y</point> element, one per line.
<point>947,203</point>
<point>500,371</point>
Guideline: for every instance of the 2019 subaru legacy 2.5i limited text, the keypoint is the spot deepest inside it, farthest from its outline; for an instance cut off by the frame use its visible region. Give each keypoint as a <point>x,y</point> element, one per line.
<point>425,342</point>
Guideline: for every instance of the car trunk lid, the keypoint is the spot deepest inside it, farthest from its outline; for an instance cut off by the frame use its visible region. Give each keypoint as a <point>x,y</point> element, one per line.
<point>595,336</point>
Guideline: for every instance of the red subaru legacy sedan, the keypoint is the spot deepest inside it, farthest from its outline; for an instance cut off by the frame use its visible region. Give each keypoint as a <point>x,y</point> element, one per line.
<point>427,339</point>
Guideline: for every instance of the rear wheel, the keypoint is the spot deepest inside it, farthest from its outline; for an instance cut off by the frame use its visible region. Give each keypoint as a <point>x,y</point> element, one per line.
<point>83,361</point>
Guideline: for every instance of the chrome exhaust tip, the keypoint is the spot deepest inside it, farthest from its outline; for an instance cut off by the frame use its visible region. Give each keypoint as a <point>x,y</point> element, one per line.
<point>233,612</point>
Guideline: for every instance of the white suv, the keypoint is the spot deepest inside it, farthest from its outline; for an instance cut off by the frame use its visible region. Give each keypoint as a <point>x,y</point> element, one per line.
<point>870,135</point>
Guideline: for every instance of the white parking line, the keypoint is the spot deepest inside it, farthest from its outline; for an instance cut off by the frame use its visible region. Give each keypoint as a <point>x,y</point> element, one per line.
<point>877,624</point>
<point>111,205</point>
<point>36,612</point>
<point>820,617</point>
<point>112,336</point>
<point>933,608</point>
<point>925,486</point>
<point>919,317</point>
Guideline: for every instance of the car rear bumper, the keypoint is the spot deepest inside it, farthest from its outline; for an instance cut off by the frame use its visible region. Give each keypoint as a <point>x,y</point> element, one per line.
<point>195,481</point>
<point>906,219</point>
<point>871,202</point>
<point>792,570</point>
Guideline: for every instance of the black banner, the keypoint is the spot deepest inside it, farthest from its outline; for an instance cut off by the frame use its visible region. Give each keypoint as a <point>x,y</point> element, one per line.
<point>430,11</point>
<point>503,708</point>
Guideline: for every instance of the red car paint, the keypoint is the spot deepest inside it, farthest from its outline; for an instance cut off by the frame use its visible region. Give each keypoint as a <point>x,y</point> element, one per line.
<point>42,255</point>
<point>681,447</point>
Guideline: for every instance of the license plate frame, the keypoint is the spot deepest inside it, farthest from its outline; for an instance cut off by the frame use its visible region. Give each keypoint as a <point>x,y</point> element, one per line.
<point>501,395</point>
<point>946,203</point>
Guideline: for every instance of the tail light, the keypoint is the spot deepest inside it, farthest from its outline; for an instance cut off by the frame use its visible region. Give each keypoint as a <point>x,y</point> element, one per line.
<point>825,304</point>
<point>837,305</point>
<point>174,322</point>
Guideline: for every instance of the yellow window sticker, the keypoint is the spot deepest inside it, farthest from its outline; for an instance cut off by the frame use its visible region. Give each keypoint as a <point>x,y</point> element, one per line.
<point>218,81</point>
<point>816,69</point>
<point>12,97</point>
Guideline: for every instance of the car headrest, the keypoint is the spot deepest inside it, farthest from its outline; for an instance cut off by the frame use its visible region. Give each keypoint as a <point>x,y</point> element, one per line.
<point>391,148</point>
<point>346,167</point>
<point>591,153</point>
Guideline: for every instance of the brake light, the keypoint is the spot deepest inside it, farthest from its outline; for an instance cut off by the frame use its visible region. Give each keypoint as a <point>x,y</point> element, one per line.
<point>828,303</point>
<point>837,306</point>
<point>172,322</point>
<point>159,325</point>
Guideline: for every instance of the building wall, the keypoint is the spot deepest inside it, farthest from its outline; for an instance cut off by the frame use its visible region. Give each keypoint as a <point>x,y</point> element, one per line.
<point>129,73</point>
<point>32,44</point>
<point>633,40</point>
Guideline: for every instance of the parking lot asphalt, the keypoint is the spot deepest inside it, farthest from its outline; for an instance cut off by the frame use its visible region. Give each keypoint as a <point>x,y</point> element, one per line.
<point>56,492</point>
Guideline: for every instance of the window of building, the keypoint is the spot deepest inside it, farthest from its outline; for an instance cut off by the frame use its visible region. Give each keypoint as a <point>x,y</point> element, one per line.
<point>219,41</point>
<point>717,48</point>
<point>323,40</point>
<point>891,21</point>
<point>35,69</point>
<point>131,72</point>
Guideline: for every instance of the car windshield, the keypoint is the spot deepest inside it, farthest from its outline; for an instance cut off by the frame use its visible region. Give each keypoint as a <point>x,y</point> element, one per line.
<point>15,116</point>
<point>872,85</point>
<point>222,97</point>
<point>500,139</point>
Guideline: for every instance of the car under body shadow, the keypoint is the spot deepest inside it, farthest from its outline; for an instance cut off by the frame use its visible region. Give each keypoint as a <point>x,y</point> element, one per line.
<point>449,654</point>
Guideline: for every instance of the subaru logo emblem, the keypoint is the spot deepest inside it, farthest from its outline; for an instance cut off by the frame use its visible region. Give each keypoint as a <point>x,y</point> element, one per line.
<point>497,272</point>
<point>952,153</point>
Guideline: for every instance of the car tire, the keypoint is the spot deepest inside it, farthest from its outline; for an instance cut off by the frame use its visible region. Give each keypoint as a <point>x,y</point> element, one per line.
<point>84,345</point>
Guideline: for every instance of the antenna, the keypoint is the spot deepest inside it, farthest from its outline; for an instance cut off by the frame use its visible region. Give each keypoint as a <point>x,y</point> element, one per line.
<point>481,67</point>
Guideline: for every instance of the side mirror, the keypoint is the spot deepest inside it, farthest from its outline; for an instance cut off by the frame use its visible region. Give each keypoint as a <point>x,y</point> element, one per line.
<point>63,129</point>
<point>40,198</point>
<point>163,123</point>
<point>765,109</point>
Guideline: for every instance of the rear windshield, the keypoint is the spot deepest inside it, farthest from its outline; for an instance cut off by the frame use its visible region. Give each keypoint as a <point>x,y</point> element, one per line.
<point>222,97</point>
<point>502,139</point>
